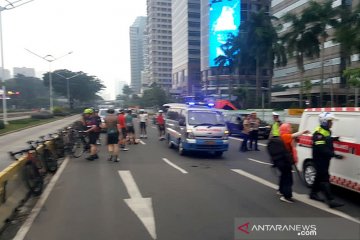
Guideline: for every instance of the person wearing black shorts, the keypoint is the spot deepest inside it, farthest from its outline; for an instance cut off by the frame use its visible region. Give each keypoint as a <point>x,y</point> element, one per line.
<point>112,135</point>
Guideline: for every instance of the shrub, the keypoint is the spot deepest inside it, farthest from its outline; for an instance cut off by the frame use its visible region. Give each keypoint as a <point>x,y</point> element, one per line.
<point>59,111</point>
<point>2,124</point>
<point>42,115</point>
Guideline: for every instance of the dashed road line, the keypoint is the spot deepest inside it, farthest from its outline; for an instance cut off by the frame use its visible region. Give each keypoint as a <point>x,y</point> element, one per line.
<point>299,197</point>
<point>254,160</point>
<point>175,166</point>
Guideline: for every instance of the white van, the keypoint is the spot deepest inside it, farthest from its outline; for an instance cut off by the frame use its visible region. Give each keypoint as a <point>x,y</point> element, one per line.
<point>196,128</point>
<point>344,172</point>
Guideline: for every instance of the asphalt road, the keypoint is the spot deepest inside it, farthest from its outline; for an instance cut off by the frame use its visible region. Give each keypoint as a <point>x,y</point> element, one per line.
<point>17,140</point>
<point>153,193</point>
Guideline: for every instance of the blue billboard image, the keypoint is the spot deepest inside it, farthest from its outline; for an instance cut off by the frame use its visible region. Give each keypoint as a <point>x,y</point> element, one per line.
<point>224,18</point>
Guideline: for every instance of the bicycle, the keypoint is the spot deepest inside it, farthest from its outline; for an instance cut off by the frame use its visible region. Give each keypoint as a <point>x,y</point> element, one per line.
<point>33,171</point>
<point>78,143</point>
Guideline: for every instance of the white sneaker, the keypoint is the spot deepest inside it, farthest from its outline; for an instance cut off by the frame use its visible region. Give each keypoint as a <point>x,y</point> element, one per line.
<point>124,149</point>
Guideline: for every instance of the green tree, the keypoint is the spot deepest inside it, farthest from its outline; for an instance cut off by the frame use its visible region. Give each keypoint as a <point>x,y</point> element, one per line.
<point>319,16</point>
<point>127,90</point>
<point>353,80</point>
<point>83,88</point>
<point>155,96</point>
<point>300,42</point>
<point>229,60</point>
<point>33,93</point>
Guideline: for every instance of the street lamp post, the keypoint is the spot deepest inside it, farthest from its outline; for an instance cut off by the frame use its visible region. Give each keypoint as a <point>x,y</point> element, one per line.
<point>49,58</point>
<point>9,6</point>
<point>68,85</point>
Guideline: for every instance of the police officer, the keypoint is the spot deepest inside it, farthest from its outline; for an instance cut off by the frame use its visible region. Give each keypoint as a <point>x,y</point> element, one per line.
<point>275,132</point>
<point>323,151</point>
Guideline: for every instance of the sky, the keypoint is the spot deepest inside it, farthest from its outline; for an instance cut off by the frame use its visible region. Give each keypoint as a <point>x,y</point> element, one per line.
<point>96,31</point>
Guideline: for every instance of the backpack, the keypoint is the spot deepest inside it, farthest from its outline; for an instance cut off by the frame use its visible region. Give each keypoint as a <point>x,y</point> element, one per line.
<point>278,152</point>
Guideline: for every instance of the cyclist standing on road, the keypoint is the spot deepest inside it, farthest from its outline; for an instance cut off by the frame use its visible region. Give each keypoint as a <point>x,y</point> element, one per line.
<point>98,123</point>
<point>143,117</point>
<point>130,127</point>
<point>323,151</point>
<point>161,125</point>
<point>92,129</point>
<point>122,130</point>
<point>110,123</point>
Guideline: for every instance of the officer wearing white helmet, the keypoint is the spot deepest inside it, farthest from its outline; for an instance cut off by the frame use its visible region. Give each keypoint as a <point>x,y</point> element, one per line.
<point>323,151</point>
<point>275,132</point>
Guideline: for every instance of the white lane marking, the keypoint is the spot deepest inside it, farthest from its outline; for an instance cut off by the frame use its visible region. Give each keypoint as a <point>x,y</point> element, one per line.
<point>265,163</point>
<point>239,139</point>
<point>130,184</point>
<point>254,160</point>
<point>20,235</point>
<point>174,166</point>
<point>143,143</point>
<point>142,207</point>
<point>299,197</point>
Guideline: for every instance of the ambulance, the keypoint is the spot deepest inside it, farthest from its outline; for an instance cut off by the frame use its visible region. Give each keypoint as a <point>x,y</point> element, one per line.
<point>193,127</point>
<point>345,172</point>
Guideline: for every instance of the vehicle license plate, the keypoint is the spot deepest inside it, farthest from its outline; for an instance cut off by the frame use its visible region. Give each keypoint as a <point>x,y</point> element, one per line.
<point>209,142</point>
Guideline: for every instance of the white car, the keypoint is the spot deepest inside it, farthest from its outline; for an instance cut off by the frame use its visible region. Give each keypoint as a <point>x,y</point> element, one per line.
<point>344,172</point>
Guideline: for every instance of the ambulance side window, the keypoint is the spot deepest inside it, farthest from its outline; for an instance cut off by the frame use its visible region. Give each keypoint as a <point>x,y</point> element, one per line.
<point>344,127</point>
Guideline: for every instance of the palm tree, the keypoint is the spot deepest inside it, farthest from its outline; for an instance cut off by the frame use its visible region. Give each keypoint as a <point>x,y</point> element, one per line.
<point>353,77</point>
<point>347,34</point>
<point>319,16</point>
<point>300,42</point>
<point>229,60</point>
<point>259,40</point>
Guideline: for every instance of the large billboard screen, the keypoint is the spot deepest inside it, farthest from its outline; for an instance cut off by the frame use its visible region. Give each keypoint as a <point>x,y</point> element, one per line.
<point>224,18</point>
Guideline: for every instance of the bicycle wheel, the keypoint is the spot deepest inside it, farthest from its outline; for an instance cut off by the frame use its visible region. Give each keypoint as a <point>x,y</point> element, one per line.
<point>50,160</point>
<point>33,179</point>
<point>78,148</point>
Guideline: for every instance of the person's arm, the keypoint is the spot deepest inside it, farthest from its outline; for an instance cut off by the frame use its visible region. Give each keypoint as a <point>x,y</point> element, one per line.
<point>297,134</point>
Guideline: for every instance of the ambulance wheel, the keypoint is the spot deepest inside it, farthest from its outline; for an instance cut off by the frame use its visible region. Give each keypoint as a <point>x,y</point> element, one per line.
<point>309,173</point>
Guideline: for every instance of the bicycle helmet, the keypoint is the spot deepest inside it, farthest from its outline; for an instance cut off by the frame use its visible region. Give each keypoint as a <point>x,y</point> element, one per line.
<point>88,111</point>
<point>324,119</point>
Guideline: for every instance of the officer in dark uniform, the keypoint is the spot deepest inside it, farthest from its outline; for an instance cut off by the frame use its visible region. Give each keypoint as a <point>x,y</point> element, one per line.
<point>323,151</point>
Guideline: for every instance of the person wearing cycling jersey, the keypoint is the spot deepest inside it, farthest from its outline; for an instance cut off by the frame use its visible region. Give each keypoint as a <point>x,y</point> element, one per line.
<point>122,130</point>
<point>161,125</point>
<point>143,117</point>
<point>92,130</point>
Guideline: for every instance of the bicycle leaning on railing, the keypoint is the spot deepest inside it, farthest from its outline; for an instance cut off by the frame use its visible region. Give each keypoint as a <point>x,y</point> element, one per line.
<point>77,142</point>
<point>34,170</point>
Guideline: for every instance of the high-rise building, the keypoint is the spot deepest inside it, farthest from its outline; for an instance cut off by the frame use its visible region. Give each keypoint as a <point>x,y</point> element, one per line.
<point>287,79</point>
<point>218,19</point>
<point>159,42</point>
<point>28,72</point>
<point>137,52</point>
<point>186,76</point>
